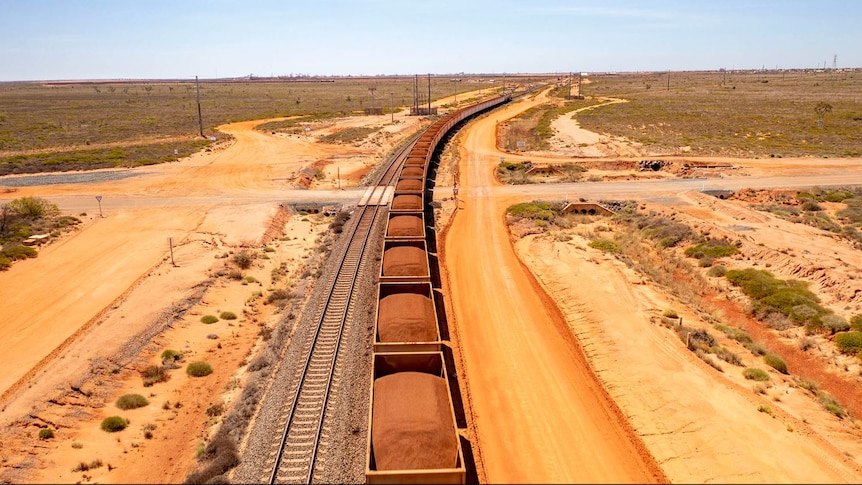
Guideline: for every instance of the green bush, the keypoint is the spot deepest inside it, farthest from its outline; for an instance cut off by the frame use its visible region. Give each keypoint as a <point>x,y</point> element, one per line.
<point>532,210</point>
<point>714,248</point>
<point>755,374</point>
<point>856,323</point>
<point>209,319</point>
<point>670,313</point>
<point>19,251</point>
<point>170,355</point>
<point>849,342</point>
<point>772,295</point>
<point>131,401</point>
<point>199,369</point>
<point>33,207</point>
<point>227,316</point>
<point>4,263</point>
<point>604,245</point>
<point>775,362</point>
<point>46,433</point>
<point>112,424</point>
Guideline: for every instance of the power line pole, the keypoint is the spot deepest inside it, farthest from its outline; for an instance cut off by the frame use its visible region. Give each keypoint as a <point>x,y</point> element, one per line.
<point>392,105</point>
<point>668,80</point>
<point>429,94</point>
<point>372,89</point>
<point>200,119</point>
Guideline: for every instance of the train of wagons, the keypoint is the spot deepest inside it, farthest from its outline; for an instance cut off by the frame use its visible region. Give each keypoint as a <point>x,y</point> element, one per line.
<point>413,430</point>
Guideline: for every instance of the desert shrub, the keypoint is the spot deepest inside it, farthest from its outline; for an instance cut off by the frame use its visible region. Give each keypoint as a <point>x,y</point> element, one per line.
<point>113,424</point>
<point>713,248</point>
<point>17,252</point>
<point>809,386</point>
<point>830,404</point>
<point>834,323</point>
<point>532,210</point>
<point>243,259</point>
<point>856,323</point>
<point>215,410</point>
<point>278,295</point>
<point>219,456</point>
<point>154,374</point>
<point>33,207</point>
<point>776,362</point>
<point>806,343</point>
<point>764,409</point>
<point>4,263</point>
<point>737,334</point>
<point>726,355</point>
<point>227,316</point>
<point>235,275</point>
<point>199,369</point>
<point>208,319</point>
<point>670,313</point>
<point>250,279</point>
<point>704,356</point>
<point>849,342</point>
<point>811,206</point>
<point>171,356</point>
<point>46,433</point>
<point>696,339</point>
<point>605,245</point>
<point>772,295</point>
<point>131,401</point>
<point>666,232</point>
<point>755,374</point>
<point>755,348</point>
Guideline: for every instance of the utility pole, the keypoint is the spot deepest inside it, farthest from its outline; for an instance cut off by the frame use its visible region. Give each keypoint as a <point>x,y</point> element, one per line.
<point>200,119</point>
<point>579,83</point>
<point>392,105</point>
<point>668,80</point>
<point>429,94</point>
<point>372,89</point>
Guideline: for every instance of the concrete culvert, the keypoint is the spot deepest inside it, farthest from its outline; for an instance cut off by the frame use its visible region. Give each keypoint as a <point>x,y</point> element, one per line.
<point>407,202</point>
<point>406,317</point>
<point>400,226</point>
<point>408,185</point>
<point>405,261</point>
<point>412,427</point>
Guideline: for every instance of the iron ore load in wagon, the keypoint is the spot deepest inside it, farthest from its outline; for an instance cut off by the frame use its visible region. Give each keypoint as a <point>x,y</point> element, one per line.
<point>412,423</point>
<point>401,226</point>
<point>405,261</point>
<point>407,202</point>
<point>409,185</point>
<point>406,317</point>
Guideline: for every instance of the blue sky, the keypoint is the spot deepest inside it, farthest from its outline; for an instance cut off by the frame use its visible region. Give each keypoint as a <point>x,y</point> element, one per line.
<point>106,39</point>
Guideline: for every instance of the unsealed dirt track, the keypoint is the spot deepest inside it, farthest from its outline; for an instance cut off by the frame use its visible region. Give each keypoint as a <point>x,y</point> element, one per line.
<point>540,414</point>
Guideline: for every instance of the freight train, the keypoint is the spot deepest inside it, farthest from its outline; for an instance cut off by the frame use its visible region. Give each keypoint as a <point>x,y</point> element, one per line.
<point>412,434</point>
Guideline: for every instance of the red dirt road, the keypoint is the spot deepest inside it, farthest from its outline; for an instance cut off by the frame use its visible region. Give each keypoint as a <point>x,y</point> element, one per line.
<point>539,412</point>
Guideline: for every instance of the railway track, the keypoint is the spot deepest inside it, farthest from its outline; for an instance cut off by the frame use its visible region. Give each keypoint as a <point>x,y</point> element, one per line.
<point>303,420</point>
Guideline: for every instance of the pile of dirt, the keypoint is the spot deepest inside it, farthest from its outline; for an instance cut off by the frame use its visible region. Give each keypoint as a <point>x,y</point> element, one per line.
<point>406,317</point>
<point>415,161</point>
<point>411,425</point>
<point>409,185</point>
<point>404,261</point>
<point>406,202</point>
<point>403,226</point>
